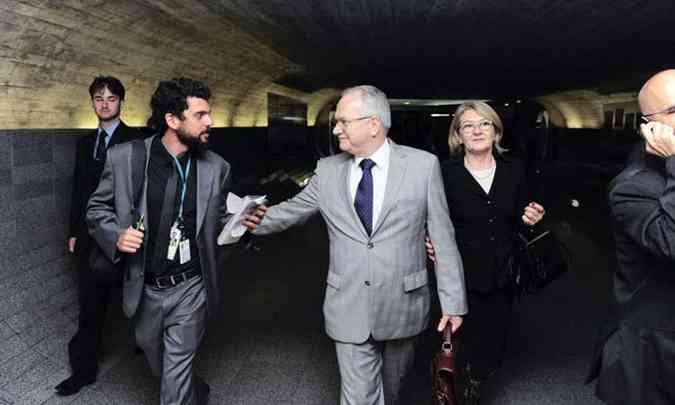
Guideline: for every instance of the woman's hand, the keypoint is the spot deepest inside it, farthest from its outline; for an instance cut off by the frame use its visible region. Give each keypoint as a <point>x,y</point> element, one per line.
<point>533,213</point>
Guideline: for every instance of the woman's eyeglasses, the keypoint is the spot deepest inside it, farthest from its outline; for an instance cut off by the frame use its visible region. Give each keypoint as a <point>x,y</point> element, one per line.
<point>469,127</point>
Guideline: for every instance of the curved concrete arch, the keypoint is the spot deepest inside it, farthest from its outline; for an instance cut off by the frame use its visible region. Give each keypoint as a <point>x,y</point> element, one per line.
<point>580,108</point>
<point>320,101</point>
<point>555,116</point>
<point>252,111</point>
<point>52,51</point>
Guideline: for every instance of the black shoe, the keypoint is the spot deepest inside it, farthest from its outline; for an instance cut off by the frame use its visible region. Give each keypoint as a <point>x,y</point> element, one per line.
<point>203,392</point>
<point>136,350</point>
<point>471,394</point>
<point>72,385</point>
<point>468,387</point>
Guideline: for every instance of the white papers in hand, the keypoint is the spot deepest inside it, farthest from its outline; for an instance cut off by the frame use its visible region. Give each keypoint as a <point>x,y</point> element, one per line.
<point>238,207</point>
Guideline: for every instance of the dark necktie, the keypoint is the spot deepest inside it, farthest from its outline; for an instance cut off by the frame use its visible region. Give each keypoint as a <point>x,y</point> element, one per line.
<point>165,222</point>
<point>363,202</point>
<point>101,147</point>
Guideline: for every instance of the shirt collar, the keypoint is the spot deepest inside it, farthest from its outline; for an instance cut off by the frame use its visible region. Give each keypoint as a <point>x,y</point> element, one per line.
<point>380,156</point>
<point>111,130</point>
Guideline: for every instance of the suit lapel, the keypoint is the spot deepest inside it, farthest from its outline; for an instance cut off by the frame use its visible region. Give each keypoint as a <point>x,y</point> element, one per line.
<point>204,182</point>
<point>494,191</point>
<point>143,204</point>
<point>118,135</point>
<point>398,163</point>
<point>471,183</point>
<point>143,209</point>
<point>343,176</point>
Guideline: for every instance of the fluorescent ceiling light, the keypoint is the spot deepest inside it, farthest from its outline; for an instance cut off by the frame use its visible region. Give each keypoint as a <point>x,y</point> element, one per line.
<point>295,119</point>
<point>427,102</point>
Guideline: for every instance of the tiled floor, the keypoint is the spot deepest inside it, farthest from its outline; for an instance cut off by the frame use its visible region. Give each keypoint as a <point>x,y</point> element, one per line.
<point>270,348</point>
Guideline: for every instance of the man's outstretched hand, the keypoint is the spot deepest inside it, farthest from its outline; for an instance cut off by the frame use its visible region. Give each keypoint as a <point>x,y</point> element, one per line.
<point>253,219</point>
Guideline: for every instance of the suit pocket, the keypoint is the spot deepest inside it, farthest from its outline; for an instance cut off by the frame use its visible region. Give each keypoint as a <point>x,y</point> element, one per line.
<point>415,280</point>
<point>334,280</point>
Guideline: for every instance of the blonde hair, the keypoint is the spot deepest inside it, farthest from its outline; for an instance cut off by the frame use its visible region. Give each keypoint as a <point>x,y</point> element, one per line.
<point>485,111</point>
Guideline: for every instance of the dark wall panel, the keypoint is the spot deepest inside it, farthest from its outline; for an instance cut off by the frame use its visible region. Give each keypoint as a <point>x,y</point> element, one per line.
<point>38,294</point>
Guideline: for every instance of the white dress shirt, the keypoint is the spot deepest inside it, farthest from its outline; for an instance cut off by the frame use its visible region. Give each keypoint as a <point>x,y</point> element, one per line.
<point>379,172</point>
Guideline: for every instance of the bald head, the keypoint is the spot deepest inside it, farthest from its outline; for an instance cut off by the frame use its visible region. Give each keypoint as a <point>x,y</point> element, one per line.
<point>658,93</point>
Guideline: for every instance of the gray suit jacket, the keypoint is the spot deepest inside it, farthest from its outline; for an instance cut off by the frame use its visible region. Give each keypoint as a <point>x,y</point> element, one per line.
<point>109,213</point>
<point>377,285</point>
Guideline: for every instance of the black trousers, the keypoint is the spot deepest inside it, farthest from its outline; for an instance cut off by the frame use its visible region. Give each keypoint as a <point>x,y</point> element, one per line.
<point>83,348</point>
<point>484,332</point>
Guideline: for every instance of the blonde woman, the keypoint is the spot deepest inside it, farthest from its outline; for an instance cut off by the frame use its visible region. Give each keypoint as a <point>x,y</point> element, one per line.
<point>487,200</point>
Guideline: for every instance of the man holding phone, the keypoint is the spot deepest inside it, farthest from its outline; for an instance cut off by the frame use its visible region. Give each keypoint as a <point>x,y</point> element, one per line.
<point>634,363</point>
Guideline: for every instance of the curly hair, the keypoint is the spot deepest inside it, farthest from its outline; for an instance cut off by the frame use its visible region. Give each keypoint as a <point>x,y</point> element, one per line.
<point>171,97</point>
<point>112,83</point>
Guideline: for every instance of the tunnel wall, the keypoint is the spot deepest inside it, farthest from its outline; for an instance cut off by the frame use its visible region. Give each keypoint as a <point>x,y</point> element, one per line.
<point>38,311</point>
<point>38,283</point>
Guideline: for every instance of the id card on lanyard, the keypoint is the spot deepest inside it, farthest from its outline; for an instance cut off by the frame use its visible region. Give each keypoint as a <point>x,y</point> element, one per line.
<point>178,241</point>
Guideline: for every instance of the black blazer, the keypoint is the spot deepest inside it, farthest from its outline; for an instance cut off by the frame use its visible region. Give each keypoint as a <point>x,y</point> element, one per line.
<point>85,179</point>
<point>485,224</point>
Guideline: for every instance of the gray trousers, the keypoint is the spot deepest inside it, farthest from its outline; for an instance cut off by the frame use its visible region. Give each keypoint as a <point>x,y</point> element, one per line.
<point>372,372</point>
<point>170,325</point>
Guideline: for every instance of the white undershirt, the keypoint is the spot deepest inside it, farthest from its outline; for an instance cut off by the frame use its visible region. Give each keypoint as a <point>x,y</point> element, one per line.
<point>379,172</point>
<point>484,177</point>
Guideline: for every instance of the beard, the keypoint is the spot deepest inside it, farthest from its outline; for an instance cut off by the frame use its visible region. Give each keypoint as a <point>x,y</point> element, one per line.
<point>194,143</point>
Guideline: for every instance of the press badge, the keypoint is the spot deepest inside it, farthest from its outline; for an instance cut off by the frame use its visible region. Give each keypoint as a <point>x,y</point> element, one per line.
<point>174,241</point>
<point>184,251</point>
<point>171,253</point>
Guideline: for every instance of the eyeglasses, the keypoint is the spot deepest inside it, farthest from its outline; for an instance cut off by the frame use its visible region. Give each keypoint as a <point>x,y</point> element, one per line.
<point>343,122</point>
<point>469,127</point>
<point>667,111</point>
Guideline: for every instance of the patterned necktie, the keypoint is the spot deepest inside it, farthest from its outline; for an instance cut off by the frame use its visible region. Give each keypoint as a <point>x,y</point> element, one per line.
<point>101,147</point>
<point>363,202</point>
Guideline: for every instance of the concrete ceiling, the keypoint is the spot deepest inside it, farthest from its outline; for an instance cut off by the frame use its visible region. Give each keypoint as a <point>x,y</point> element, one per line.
<point>51,49</point>
<point>458,48</point>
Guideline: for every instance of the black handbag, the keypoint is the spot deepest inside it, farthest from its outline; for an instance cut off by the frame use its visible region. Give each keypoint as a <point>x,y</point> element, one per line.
<point>443,372</point>
<point>103,270</point>
<point>539,260</point>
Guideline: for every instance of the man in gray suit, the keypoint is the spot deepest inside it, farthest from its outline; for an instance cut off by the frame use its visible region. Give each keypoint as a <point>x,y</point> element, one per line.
<point>173,264</point>
<point>378,200</point>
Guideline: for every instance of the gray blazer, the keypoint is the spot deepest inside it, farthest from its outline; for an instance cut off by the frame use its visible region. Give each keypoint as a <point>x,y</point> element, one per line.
<point>377,285</point>
<point>109,213</point>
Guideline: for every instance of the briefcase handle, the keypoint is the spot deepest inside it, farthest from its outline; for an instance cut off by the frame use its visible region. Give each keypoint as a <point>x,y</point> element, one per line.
<point>446,345</point>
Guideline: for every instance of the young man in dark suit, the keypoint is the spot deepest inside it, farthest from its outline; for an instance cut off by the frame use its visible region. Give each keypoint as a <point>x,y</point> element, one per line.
<point>107,97</point>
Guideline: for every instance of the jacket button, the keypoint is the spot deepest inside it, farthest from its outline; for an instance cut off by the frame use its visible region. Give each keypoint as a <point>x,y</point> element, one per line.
<point>489,202</point>
<point>367,283</point>
<point>370,245</point>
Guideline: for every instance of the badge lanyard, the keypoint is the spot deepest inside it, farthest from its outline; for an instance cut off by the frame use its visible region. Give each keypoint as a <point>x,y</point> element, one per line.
<point>184,180</point>
<point>176,238</point>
